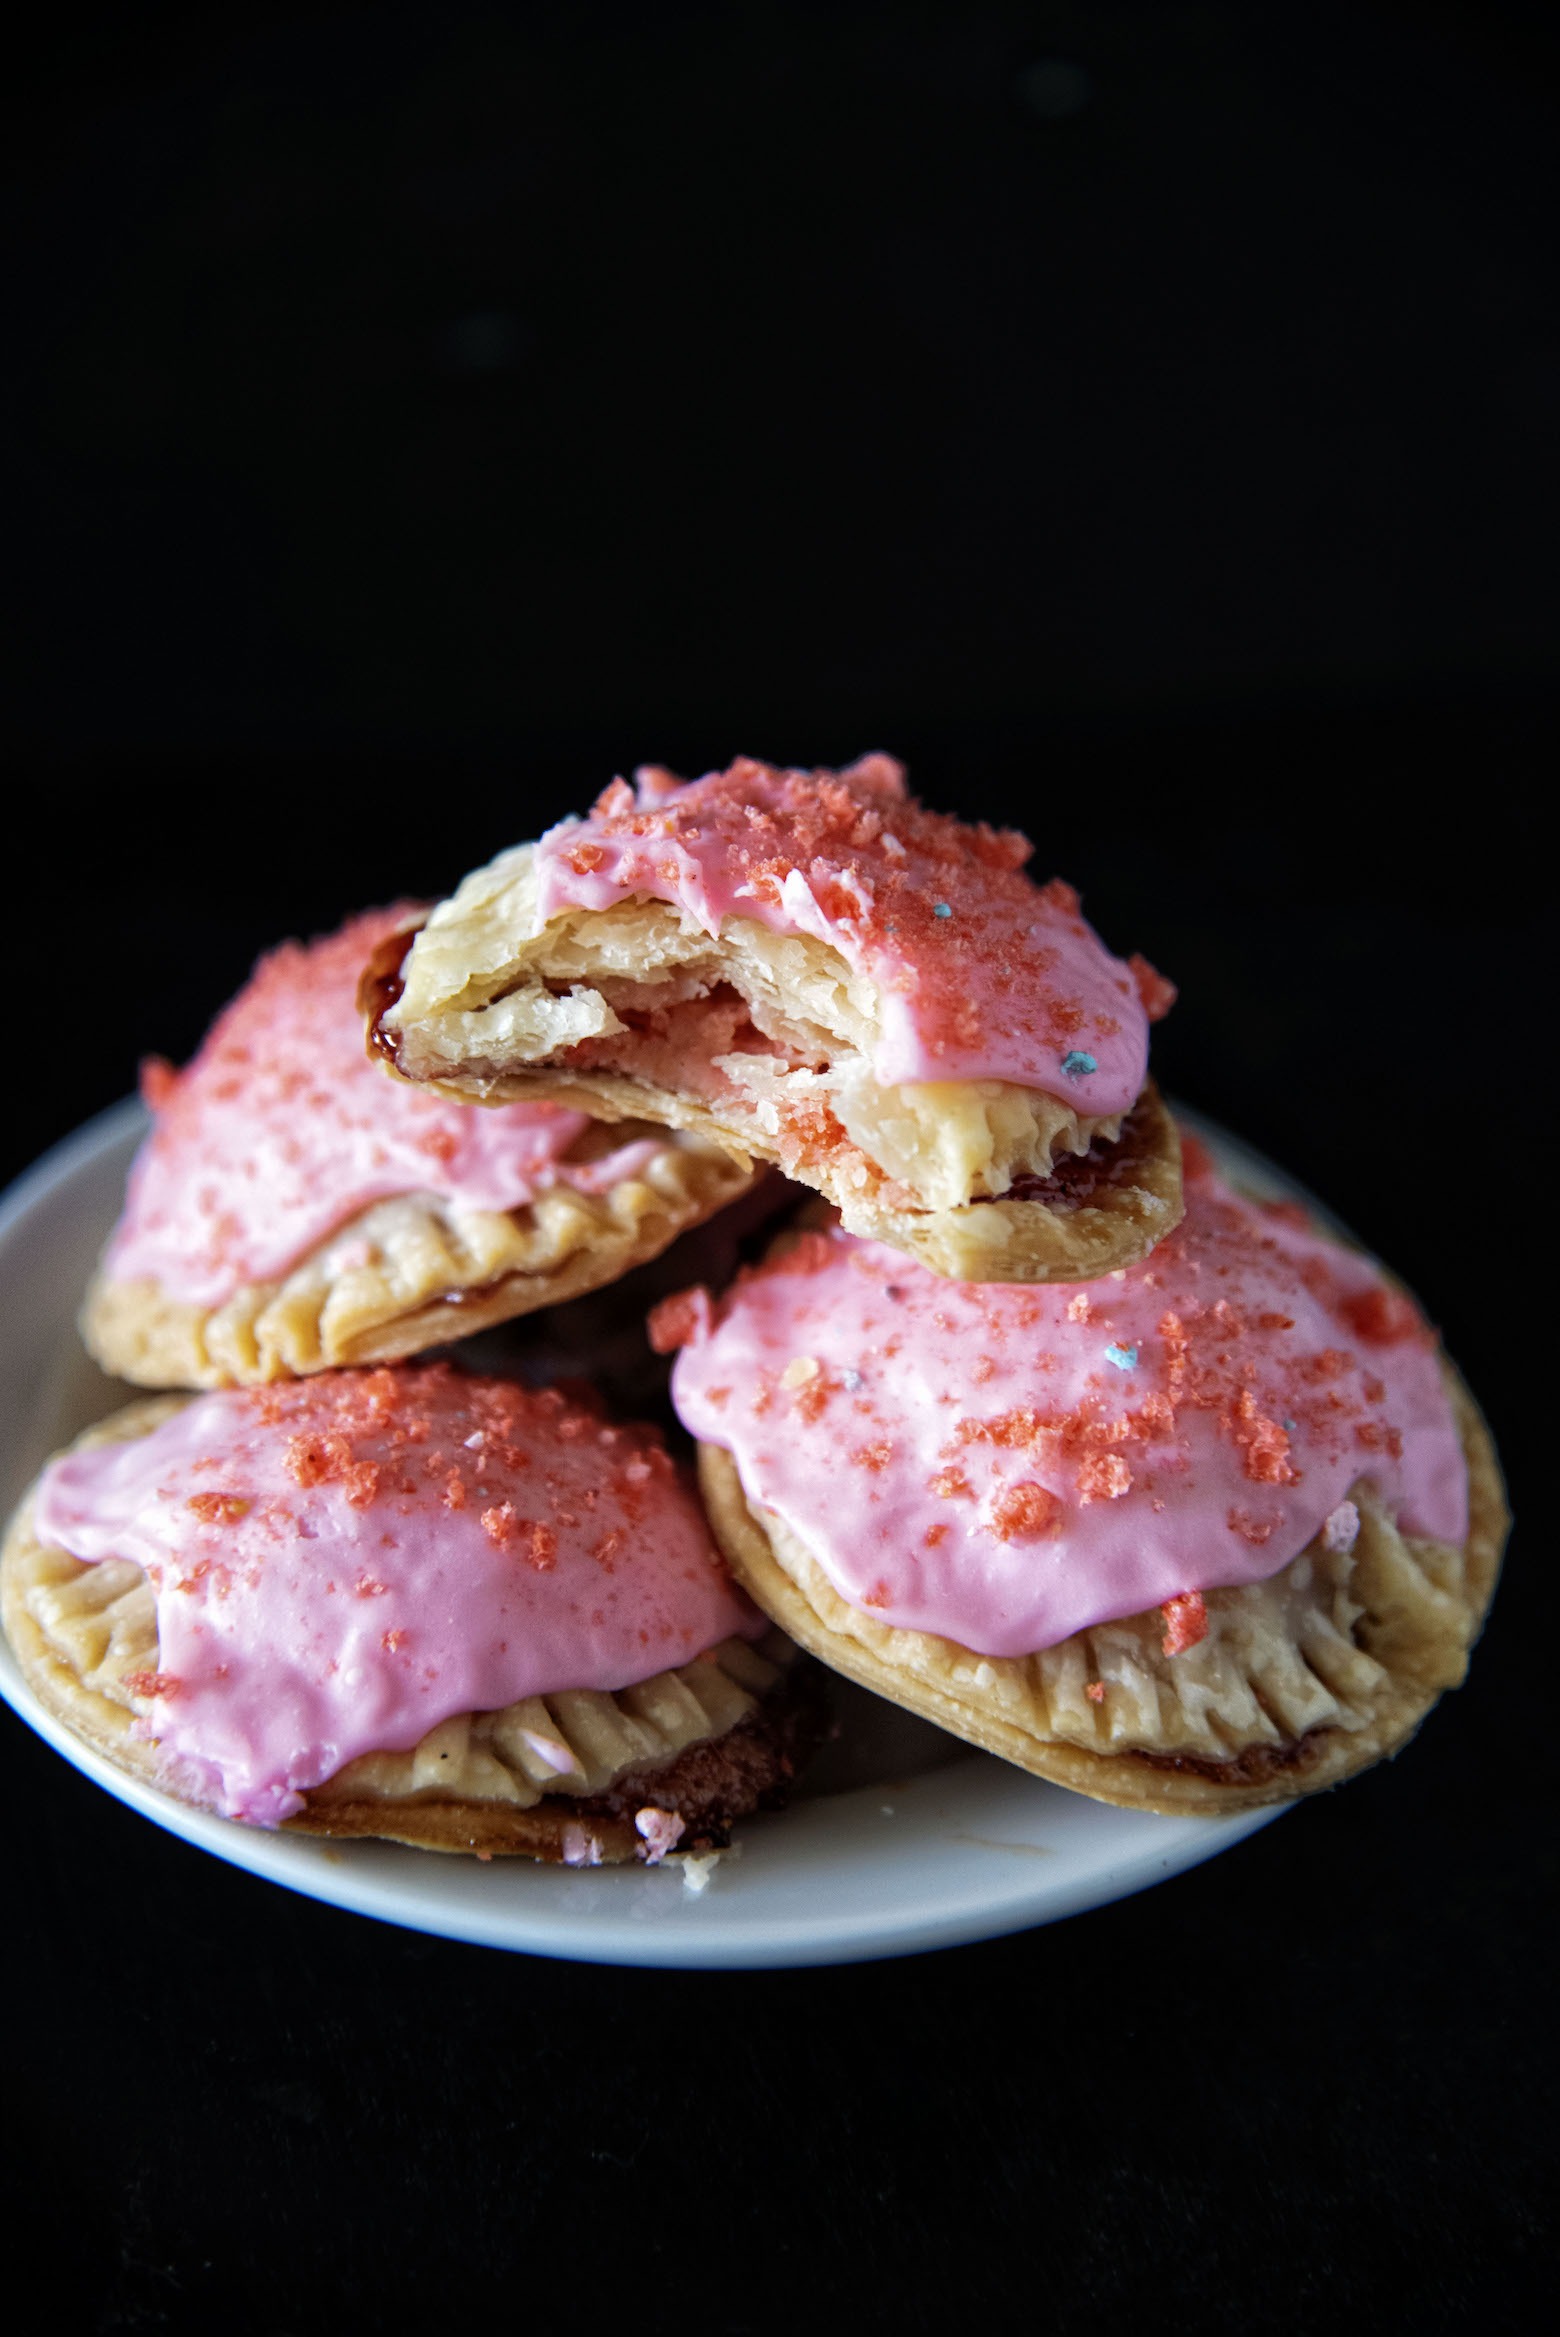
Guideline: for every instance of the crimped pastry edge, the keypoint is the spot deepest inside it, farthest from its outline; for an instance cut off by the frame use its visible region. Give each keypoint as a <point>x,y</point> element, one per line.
<point>467,1270</point>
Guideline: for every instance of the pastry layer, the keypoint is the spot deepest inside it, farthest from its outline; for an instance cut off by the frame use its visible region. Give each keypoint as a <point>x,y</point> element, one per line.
<point>1297,1682</point>
<point>341,1566</point>
<point>295,1209</point>
<point>942,1032</point>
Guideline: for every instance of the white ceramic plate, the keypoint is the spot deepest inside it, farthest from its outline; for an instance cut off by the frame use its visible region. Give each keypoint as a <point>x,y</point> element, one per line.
<point>905,1841</point>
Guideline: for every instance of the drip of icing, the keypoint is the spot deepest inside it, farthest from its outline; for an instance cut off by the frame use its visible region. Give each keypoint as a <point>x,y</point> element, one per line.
<point>282,1129</point>
<point>980,973</point>
<point>341,1563</point>
<point>973,1460</point>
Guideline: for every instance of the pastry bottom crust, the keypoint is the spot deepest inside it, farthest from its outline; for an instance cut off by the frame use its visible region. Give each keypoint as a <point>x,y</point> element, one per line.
<point>1095,1212</point>
<point>703,1745</point>
<point>1301,1681</point>
<point>410,1273</point>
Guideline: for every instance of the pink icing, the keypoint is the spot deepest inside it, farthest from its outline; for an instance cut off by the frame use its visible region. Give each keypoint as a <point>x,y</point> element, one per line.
<point>1006,1465</point>
<point>981,973</point>
<point>341,1563</point>
<point>282,1129</point>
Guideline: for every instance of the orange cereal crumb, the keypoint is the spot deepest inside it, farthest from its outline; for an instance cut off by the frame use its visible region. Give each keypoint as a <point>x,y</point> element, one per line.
<point>1186,1621</point>
<point>951,1485</point>
<point>158,1080</point>
<point>810,1399</point>
<point>679,1320</point>
<point>1157,995</point>
<point>1263,1442</point>
<point>1105,1477</point>
<point>361,1479</point>
<point>1095,1691</point>
<point>152,1683</point>
<point>1021,1513</point>
<point>219,1509</point>
<point>874,1456</point>
<point>1382,1317</point>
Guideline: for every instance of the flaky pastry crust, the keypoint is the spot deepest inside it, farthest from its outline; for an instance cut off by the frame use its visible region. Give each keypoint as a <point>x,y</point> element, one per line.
<point>413,1271</point>
<point>85,1637</point>
<point>1301,1681</point>
<point>762,1042</point>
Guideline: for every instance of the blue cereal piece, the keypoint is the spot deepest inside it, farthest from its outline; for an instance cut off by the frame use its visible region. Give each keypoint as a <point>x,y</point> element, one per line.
<point>1077,1064</point>
<point>1124,1358</point>
<point>941,909</point>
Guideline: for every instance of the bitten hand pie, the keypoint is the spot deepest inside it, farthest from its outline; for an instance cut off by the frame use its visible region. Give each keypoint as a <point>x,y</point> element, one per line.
<point>1215,1531</point>
<point>811,969</point>
<point>411,1604</point>
<point>295,1209</point>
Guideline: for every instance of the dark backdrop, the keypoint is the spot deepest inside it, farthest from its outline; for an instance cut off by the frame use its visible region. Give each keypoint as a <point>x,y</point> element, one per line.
<point>1146,420</point>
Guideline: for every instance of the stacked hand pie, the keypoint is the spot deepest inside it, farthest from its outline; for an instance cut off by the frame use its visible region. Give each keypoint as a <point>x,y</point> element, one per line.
<point>1027,1421</point>
<point>352,1595</point>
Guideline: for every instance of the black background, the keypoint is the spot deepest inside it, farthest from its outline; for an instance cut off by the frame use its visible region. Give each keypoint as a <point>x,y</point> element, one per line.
<point>1146,420</point>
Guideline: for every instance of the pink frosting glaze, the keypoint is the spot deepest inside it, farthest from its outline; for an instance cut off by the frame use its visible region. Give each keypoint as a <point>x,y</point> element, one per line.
<point>282,1129</point>
<point>341,1563</point>
<point>981,973</point>
<point>1006,1465</point>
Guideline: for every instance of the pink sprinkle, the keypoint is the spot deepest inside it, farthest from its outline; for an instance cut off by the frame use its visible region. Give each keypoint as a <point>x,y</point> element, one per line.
<point>660,1830</point>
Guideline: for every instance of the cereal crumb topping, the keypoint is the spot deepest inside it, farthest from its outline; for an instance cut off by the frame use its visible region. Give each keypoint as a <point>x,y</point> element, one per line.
<point>1186,1622</point>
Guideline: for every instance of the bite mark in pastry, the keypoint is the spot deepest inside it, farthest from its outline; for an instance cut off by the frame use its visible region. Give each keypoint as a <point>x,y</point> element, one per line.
<point>1217,1530</point>
<point>295,1209</point>
<point>437,1609</point>
<point>812,969</point>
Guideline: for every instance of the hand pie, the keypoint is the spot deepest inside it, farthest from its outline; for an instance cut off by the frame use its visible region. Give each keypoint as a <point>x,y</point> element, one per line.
<point>439,1610</point>
<point>811,969</point>
<point>295,1208</point>
<point>1215,1531</point>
